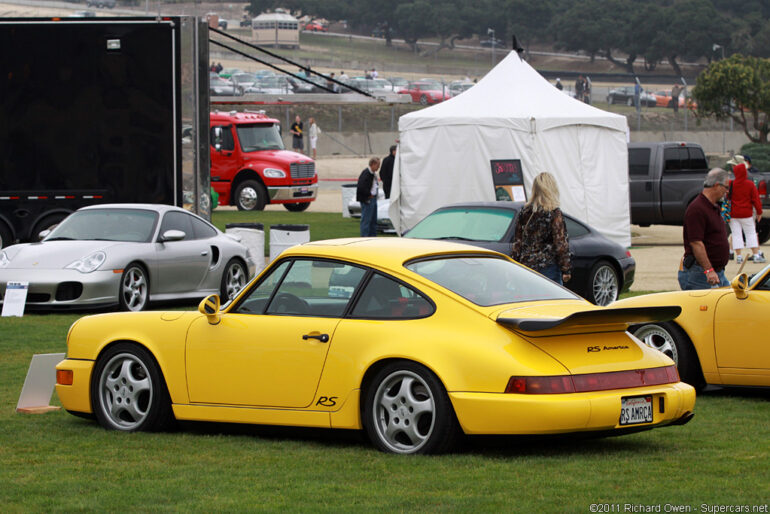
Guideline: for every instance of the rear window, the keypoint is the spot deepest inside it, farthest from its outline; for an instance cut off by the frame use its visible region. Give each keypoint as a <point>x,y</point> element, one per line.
<point>489,281</point>
<point>486,224</point>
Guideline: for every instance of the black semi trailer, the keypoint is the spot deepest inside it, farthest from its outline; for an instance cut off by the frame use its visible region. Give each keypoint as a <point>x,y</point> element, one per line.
<point>100,110</point>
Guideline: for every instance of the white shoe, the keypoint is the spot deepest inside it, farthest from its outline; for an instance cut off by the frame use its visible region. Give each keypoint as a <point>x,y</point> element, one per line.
<point>739,259</point>
<point>758,257</point>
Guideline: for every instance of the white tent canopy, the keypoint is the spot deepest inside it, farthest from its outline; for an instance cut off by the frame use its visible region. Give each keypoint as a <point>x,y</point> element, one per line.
<point>513,113</point>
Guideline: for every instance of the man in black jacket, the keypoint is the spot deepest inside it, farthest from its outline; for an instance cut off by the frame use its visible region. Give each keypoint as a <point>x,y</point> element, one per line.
<point>386,172</point>
<point>366,194</point>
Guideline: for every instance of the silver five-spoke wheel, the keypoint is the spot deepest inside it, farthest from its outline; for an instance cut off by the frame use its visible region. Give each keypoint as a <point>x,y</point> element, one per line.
<point>125,392</point>
<point>404,412</point>
<point>134,289</point>
<point>233,280</point>
<point>660,339</point>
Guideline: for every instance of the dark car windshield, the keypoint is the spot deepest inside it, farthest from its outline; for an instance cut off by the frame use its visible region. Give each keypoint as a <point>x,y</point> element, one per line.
<point>473,224</point>
<point>264,136</point>
<point>489,281</point>
<point>130,225</point>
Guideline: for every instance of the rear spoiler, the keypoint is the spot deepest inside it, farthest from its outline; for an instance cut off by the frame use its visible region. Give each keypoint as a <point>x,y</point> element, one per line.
<point>598,320</point>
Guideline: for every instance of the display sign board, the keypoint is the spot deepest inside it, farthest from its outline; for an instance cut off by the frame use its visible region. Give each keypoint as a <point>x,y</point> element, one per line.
<point>508,179</point>
<point>15,298</point>
<point>38,386</point>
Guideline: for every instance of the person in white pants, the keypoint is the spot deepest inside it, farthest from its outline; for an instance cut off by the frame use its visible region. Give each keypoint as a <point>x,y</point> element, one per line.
<point>313,133</point>
<point>745,207</point>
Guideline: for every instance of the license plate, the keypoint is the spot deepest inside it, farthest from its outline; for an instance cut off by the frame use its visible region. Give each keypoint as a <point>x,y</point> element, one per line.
<point>635,410</point>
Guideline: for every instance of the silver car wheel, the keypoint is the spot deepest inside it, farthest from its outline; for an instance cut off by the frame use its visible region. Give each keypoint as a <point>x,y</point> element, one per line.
<point>235,279</point>
<point>134,289</point>
<point>404,412</point>
<point>660,339</point>
<point>604,285</point>
<point>126,391</point>
<point>247,198</point>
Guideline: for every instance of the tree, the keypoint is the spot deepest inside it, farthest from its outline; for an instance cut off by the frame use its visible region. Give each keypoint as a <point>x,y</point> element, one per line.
<point>739,88</point>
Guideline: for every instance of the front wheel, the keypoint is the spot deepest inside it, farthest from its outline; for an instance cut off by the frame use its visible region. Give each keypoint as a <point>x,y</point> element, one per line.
<point>128,392</point>
<point>406,410</point>
<point>603,283</point>
<point>423,100</point>
<point>134,294</point>
<point>233,279</point>
<point>250,196</point>
<point>296,207</point>
<point>669,338</point>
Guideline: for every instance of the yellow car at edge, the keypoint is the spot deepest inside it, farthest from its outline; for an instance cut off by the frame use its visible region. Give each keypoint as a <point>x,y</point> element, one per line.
<point>416,342</point>
<point>721,336</point>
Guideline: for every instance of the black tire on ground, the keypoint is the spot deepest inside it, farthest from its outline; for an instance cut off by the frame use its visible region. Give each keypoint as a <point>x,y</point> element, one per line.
<point>128,391</point>
<point>6,236</point>
<point>406,410</point>
<point>669,338</point>
<point>763,231</point>
<point>296,207</point>
<point>234,278</point>
<point>423,100</point>
<point>48,222</point>
<point>603,284</point>
<point>134,288</point>
<point>250,195</point>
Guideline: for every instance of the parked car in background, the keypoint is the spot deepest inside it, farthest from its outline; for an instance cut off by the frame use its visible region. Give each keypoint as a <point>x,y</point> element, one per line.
<point>229,72</point>
<point>275,85</point>
<point>127,255</point>
<point>492,41</point>
<point>244,80</point>
<point>459,86</point>
<point>314,26</point>
<point>399,84</point>
<point>109,4</point>
<point>221,87</point>
<point>414,342</point>
<point>426,91</point>
<point>625,95</point>
<point>372,86</point>
<point>601,269</point>
<point>663,99</point>
<point>83,14</point>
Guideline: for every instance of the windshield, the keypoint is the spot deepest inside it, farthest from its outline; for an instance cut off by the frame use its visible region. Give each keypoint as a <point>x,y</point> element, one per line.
<point>489,281</point>
<point>254,138</point>
<point>130,225</point>
<point>484,224</point>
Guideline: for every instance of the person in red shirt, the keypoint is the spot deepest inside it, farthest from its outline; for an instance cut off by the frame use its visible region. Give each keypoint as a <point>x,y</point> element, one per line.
<point>745,209</point>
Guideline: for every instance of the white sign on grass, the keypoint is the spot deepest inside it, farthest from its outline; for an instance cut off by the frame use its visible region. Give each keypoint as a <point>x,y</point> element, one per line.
<point>15,298</point>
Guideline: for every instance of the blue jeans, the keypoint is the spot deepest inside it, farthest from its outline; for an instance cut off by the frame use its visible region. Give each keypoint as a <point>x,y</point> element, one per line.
<point>694,278</point>
<point>369,218</point>
<point>553,272</point>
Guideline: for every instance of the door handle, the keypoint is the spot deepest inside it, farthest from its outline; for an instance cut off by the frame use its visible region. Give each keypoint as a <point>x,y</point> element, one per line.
<point>324,338</point>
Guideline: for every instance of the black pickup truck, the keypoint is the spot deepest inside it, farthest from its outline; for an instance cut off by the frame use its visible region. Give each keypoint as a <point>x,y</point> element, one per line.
<point>665,177</point>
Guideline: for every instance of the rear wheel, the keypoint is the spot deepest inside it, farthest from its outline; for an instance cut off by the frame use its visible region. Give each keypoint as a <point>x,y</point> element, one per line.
<point>233,279</point>
<point>296,207</point>
<point>128,392</point>
<point>423,100</point>
<point>134,294</point>
<point>763,231</point>
<point>603,283</point>
<point>407,410</point>
<point>250,195</point>
<point>669,338</point>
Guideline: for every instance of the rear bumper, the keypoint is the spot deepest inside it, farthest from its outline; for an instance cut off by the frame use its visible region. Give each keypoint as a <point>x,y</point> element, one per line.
<point>628,269</point>
<point>498,413</point>
<point>293,193</point>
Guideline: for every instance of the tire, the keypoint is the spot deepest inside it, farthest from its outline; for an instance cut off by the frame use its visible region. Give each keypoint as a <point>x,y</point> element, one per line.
<point>134,290</point>
<point>669,338</point>
<point>234,278</point>
<point>128,392</point>
<point>296,207</point>
<point>423,100</point>
<point>6,236</point>
<point>48,222</point>
<point>763,231</point>
<point>603,284</point>
<point>390,402</point>
<point>250,195</point>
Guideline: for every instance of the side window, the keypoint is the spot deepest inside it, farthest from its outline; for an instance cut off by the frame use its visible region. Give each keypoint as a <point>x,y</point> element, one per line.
<point>177,221</point>
<point>674,157</point>
<point>316,288</point>
<point>228,143</point>
<point>257,299</point>
<point>201,230</point>
<point>638,161</point>
<point>384,298</point>
<point>697,159</point>
<point>574,229</point>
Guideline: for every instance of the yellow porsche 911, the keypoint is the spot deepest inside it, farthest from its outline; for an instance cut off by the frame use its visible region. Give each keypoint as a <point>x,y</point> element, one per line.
<point>416,342</point>
<point>721,336</point>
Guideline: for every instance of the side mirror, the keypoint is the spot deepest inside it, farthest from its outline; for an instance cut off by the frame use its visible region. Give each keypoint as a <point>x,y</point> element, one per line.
<point>217,143</point>
<point>209,307</point>
<point>172,235</point>
<point>43,234</point>
<point>740,285</point>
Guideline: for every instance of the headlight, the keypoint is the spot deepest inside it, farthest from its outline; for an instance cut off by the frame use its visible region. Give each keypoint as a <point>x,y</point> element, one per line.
<point>89,263</point>
<point>4,260</point>
<point>274,173</point>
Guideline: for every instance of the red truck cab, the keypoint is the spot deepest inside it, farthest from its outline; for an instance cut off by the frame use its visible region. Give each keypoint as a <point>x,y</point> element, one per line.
<point>251,168</point>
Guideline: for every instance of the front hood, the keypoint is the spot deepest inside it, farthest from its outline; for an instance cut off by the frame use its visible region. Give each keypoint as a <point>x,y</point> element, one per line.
<point>54,254</point>
<point>281,156</point>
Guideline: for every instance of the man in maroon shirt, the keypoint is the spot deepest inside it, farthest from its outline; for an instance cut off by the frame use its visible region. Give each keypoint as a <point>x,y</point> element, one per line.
<point>706,250</point>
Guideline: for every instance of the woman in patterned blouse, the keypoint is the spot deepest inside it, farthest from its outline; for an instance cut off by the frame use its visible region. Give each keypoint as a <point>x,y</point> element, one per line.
<point>540,240</point>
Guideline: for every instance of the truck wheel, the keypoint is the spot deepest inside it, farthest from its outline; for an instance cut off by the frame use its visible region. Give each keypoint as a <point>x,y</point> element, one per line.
<point>250,196</point>
<point>296,207</point>
<point>763,231</point>
<point>5,235</point>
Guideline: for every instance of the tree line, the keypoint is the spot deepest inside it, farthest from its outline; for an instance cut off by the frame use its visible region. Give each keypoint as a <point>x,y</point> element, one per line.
<point>634,34</point>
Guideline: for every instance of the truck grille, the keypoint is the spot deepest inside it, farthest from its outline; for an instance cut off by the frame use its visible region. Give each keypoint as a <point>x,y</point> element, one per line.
<point>302,170</point>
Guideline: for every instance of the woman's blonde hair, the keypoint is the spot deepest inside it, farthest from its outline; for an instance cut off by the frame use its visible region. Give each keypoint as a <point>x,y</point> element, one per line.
<point>545,192</point>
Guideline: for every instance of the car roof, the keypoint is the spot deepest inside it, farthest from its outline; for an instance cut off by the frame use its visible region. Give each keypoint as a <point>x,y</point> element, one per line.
<point>386,252</point>
<point>157,207</point>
